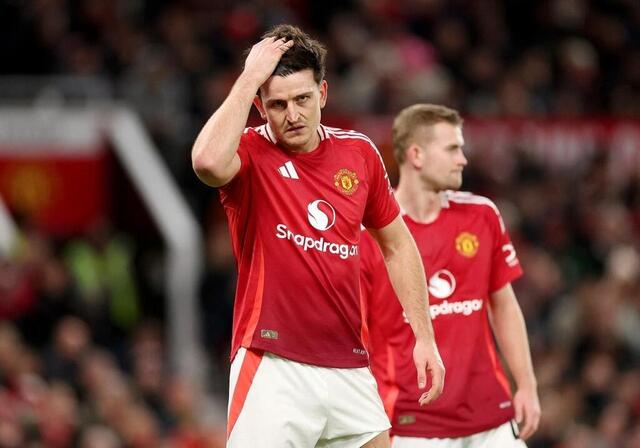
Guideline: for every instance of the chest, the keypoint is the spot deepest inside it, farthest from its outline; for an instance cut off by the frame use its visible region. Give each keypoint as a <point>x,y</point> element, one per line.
<point>457,252</point>
<point>315,192</point>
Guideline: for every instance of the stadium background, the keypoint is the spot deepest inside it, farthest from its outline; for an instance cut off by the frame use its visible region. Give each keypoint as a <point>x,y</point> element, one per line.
<point>550,90</point>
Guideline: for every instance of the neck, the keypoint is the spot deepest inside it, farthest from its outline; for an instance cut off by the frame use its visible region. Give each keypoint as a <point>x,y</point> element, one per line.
<point>421,202</point>
<point>309,146</point>
<point>312,144</point>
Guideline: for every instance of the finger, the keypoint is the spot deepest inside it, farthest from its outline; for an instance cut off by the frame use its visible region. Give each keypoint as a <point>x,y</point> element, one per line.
<point>422,375</point>
<point>518,412</point>
<point>278,42</point>
<point>437,380</point>
<point>526,430</point>
<point>265,41</point>
<point>530,425</point>
<point>428,397</point>
<point>425,398</point>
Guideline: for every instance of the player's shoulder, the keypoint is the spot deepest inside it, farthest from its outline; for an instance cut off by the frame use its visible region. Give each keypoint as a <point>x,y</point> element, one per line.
<point>469,202</point>
<point>347,137</point>
<point>257,133</point>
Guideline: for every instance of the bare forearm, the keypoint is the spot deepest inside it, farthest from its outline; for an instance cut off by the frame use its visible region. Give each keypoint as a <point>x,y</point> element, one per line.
<point>406,272</point>
<point>407,277</point>
<point>511,335</point>
<point>217,143</point>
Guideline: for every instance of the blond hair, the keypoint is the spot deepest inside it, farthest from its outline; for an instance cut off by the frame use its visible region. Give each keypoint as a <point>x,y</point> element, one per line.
<point>414,118</point>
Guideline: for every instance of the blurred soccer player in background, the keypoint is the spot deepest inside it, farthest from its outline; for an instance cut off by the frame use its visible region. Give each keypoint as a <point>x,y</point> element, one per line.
<point>296,194</point>
<point>471,263</point>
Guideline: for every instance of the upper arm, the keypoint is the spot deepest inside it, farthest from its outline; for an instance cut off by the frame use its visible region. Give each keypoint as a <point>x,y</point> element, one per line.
<point>392,237</point>
<point>505,266</point>
<point>381,206</point>
<point>504,303</point>
<point>216,176</point>
<point>502,296</point>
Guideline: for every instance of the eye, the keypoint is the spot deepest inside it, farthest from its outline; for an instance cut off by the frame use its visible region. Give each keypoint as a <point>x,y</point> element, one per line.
<point>303,98</point>
<point>278,104</point>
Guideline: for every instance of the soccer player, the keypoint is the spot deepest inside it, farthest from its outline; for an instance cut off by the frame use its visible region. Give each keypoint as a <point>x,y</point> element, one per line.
<point>471,263</point>
<point>296,193</point>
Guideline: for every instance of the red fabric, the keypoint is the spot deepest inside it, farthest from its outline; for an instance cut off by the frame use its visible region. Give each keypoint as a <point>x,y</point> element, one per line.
<point>295,222</point>
<point>465,260</point>
<point>63,194</point>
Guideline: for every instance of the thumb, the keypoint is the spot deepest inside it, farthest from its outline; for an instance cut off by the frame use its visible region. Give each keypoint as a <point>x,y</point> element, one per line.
<point>518,411</point>
<point>422,377</point>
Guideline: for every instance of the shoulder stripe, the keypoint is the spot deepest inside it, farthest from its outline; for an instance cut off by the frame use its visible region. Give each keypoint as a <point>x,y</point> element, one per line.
<point>344,134</point>
<point>322,132</point>
<point>349,134</point>
<point>464,197</point>
<point>263,131</point>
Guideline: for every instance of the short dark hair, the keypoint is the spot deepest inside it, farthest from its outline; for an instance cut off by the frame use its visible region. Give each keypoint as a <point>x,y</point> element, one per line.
<point>416,117</point>
<point>305,53</point>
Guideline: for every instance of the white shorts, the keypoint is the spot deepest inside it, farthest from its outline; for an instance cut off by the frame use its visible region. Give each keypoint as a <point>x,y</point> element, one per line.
<point>276,402</point>
<point>503,436</point>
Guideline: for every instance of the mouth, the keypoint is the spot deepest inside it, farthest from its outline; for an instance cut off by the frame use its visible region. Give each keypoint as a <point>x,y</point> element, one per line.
<point>295,128</point>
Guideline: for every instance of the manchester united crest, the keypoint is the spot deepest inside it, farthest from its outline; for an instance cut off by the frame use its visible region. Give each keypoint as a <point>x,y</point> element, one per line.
<point>346,181</point>
<point>467,244</point>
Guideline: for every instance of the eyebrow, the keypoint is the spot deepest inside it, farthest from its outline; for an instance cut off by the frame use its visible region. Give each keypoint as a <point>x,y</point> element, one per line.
<point>274,100</point>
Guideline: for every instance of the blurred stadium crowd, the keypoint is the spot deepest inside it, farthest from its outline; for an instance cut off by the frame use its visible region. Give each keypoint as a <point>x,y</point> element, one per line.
<point>82,365</point>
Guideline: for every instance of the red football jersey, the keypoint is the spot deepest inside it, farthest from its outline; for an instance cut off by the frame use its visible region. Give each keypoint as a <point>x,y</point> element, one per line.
<point>467,255</point>
<point>295,221</point>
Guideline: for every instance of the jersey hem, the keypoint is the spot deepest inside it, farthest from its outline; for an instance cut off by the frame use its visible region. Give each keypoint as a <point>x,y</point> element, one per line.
<point>451,434</point>
<point>311,360</point>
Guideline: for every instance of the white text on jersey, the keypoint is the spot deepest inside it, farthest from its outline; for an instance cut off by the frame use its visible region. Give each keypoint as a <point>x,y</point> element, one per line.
<point>344,251</point>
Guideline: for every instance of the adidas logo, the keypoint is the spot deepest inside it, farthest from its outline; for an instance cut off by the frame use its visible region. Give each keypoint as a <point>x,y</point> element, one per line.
<point>288,170</point>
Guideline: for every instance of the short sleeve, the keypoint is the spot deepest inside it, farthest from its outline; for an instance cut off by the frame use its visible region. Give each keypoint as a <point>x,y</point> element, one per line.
<point>505,266</point>
<point>381,207</point>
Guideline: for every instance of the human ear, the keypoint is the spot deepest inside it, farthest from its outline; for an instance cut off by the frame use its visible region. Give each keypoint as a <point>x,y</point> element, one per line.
<point>257,101</point>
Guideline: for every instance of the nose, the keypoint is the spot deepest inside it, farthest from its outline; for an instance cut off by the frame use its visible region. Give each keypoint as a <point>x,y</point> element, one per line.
<point>292,112</point>
<point>462,159</point>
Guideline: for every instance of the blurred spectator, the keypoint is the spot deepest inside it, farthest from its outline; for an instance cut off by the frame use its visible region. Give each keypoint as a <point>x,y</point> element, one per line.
<point>80,366</point>
<point>62,358</point>
<point>101,265</point>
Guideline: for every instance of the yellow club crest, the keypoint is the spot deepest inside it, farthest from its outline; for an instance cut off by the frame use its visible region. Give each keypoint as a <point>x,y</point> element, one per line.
<point>467,244</point>
<point>346,181</point>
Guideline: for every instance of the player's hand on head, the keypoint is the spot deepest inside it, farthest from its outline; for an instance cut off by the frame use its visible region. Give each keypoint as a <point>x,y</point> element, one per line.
<point>427,360</point>
<point>263,58</point>
<point>527,409</point>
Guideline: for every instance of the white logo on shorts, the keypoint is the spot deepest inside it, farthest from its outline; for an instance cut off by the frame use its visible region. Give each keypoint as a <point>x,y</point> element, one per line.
<point>321,219</point>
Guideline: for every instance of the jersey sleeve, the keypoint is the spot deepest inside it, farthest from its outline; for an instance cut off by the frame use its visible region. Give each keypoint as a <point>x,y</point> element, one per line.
<point>505,266</point>
<point>381,207</point>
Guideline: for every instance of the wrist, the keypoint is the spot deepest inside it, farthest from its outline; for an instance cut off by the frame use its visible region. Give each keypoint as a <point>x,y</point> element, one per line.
<point>528,383</point>
<point>425,338</point>
<point>249,82</point>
